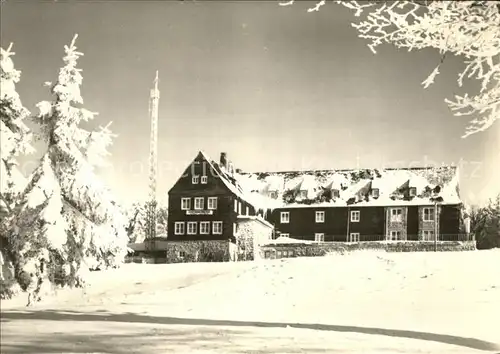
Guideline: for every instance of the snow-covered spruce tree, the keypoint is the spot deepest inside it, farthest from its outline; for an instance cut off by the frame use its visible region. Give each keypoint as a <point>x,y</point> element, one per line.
<point>162,220</point>
<point>469,29</point>
<point>14,139</point>
<point>67,222</point>
<point>137,215</point>
<point>15,136</point>
<point>136,228</point>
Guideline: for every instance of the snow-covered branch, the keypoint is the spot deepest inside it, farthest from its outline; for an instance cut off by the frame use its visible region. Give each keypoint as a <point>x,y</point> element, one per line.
<point>15,136</point>
<point>470,29</point>
<point>67,213</point>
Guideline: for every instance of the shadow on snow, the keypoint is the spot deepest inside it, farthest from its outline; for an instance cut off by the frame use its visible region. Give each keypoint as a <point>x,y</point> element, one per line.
<point>51,315</point>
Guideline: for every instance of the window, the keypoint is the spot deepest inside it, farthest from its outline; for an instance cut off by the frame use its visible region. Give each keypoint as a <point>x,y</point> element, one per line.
<point>285,217</point>
<point>195,179</point>
<point>413,191</point>
<point>204,179</point>
<point>204,227</point>
<point>212,203</point>
<point>290,253</point>
<point>396,215</point>
<point>353,237</point>
<point>267,254</point>
<point>181,254</point>
<point>191,228</point>
<point>427,235</point>
<point>278,254</point>
<point>185,203</point>
<point>375,192</point>
<point>235,229</point>
<point>320,216</point>
<point>247,211</point>
<point>319,237</point>
<point>285,253</point>
<point>217,228</point>
<point>284,235</point>
<point>355,215</point>
<point>302,194</point>
<point>335,193</point>
<point>198,203</point>
<point>394,236</point>
<point>428,214</point>
<point>179,228</point>
<point>239,208</point>
<point>273,194</point>
<point>236,205</point>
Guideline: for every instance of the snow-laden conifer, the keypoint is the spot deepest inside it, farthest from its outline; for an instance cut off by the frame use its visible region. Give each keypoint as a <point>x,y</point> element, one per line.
<point>15,140</point>
<point>14,134</point>
<point>68,221</point>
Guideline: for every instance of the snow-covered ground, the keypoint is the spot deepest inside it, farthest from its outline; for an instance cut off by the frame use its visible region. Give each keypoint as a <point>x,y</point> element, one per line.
<point>373,302</point>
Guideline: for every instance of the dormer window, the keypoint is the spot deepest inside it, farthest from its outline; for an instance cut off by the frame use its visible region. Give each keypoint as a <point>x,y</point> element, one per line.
<point>195,179</point>
<point>204,179</point>
<point>413,191</point>
<point>335,193</point>
<point>273,194</point>
<point>375,192</point>
<point>302,194</point>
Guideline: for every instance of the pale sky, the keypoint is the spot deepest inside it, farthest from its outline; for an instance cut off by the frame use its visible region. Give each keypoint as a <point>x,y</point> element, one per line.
<point>277,88</point>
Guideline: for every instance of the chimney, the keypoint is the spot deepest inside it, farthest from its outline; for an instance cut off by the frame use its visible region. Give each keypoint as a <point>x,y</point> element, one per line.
<point>223,160</point>
<point>230,168</point>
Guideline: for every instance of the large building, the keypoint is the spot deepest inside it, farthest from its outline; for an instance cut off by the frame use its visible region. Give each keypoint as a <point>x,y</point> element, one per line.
<point>217,211</point>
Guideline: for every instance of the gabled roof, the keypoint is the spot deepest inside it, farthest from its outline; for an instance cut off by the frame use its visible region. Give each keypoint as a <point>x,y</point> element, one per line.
<point>229,181</point>
<point>255,218</point>
<point>354,186</point>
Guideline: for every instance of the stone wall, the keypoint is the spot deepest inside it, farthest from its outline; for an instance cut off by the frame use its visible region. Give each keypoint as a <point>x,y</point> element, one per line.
<point>427,225</point>
<point>245,240</point>
<point>322,249</point>
<point>400,226</point>
<point>197,251</point>
<point>251,233</point>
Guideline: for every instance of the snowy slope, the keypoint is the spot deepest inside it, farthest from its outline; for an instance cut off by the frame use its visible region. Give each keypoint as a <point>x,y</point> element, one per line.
<point>372,302</point>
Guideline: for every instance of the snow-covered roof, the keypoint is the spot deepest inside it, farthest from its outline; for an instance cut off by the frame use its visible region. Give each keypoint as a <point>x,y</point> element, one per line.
<point>257,218</point>
<point>274,183</point>
<point>336,181</point>
<point>287,240</point>
<point>432,183</point>
<point>230,182</point>
<point>354,186</point>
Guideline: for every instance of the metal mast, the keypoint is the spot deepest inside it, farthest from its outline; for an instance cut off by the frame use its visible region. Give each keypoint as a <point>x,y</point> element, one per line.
<point>153,161</point>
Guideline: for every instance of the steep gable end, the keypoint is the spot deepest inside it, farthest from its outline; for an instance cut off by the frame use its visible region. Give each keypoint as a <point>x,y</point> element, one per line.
<point>200,174</point>
<point>217,177</point>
